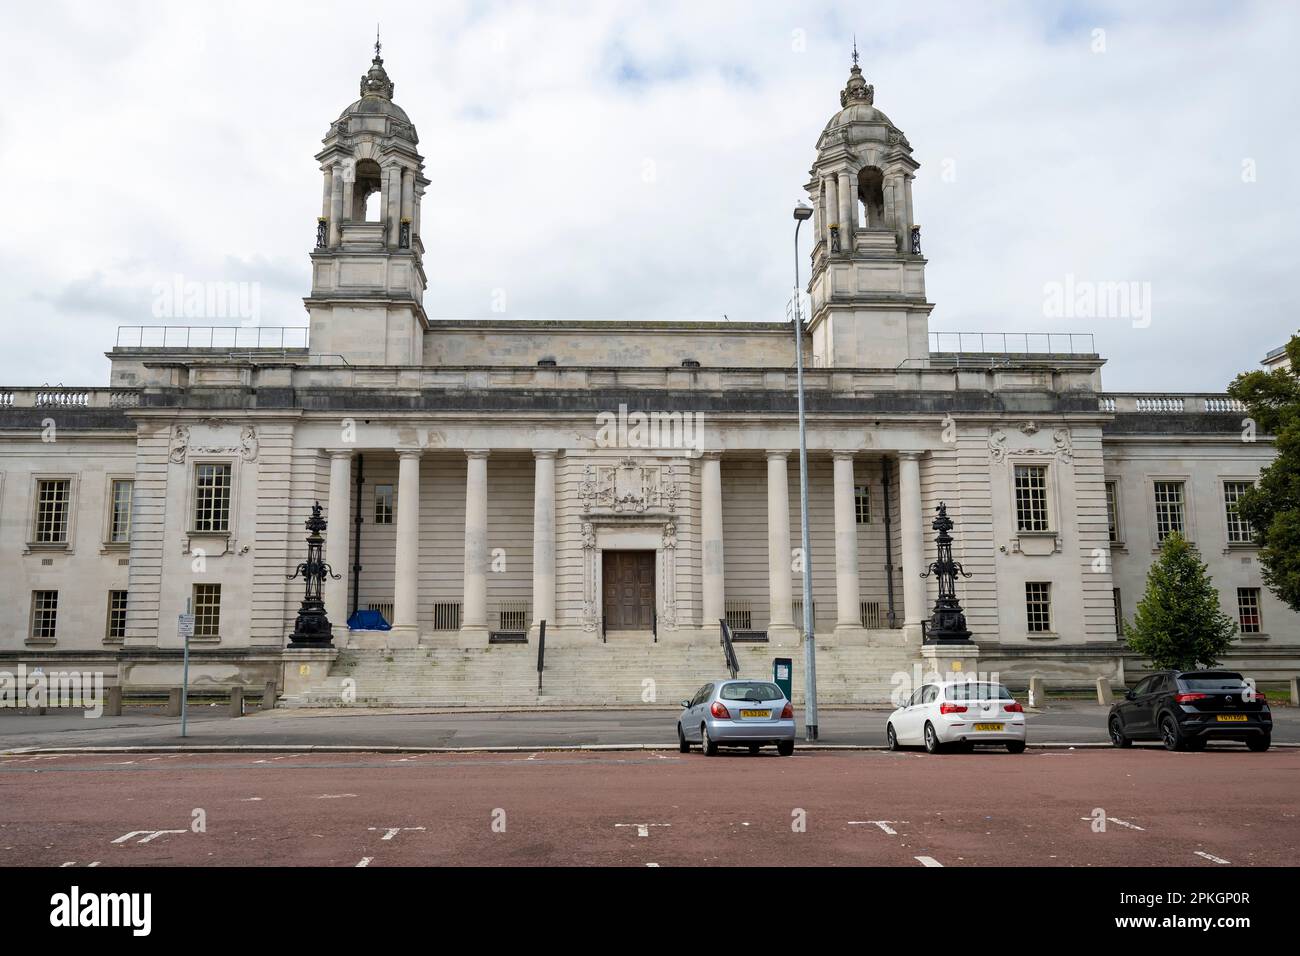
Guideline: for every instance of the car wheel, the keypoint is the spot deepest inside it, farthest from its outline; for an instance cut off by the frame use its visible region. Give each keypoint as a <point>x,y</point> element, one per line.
<point>1117,736</point>
<point>708,746</point>
<point>1170,735</point>
<point>1015,746</point>
<point>932,745</point>
<point>785,748</point>
<point>682,746</point>
<point>753,748</point>
<point>1259,743</point>
<point>891,738</point>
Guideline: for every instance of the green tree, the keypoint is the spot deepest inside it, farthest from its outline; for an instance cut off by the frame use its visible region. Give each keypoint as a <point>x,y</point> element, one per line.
<point>1178,623</point>
<point>1272,401</point>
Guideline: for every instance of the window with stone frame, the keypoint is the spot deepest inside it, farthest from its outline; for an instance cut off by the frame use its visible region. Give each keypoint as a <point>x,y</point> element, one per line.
<point>1239,529</point>
<point>1112,512</point>
<point>1038,606</point>
<point>212,498</point>
<point>862,503</point>
<point>1031,498</point>
<point>207,610</point>
<point>1170,509</point>
<point>121,493</point>
<point>1248,618</point>
<point>53,504</point>
<point>45,615</point>
<point>383,504</point>
<point>115,631</point>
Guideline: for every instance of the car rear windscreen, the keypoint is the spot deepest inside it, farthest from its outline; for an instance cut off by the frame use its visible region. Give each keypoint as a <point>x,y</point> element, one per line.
<point>1217,681</point>
<point>978,691</point>
<point>751,690</point>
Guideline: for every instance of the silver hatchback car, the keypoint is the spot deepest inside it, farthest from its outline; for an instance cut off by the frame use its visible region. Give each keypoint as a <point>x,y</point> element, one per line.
<point>737,713</point>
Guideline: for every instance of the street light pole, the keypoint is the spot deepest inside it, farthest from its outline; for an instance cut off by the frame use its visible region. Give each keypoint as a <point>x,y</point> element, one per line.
<point>801,213</point>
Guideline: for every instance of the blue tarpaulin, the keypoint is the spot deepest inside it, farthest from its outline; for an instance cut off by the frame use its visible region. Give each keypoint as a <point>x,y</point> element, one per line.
<point>368,621</point>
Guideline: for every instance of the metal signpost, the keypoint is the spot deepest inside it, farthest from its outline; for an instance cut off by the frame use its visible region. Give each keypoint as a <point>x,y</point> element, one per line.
<point>185,628</point>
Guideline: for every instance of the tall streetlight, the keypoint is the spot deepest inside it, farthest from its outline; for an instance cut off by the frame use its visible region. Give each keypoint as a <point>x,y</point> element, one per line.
<point>803,212</point>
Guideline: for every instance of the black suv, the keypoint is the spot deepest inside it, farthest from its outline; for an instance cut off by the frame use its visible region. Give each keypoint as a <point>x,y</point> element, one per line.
<point>1185,709</point>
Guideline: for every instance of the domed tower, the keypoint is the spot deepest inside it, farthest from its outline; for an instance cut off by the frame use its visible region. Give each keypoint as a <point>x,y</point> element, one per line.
<point>368,281</point>
<point>868,277</point>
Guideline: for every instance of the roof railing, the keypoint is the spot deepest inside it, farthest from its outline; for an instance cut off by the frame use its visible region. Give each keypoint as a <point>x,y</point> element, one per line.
<point>224,337</point>
<point>1013,343</point>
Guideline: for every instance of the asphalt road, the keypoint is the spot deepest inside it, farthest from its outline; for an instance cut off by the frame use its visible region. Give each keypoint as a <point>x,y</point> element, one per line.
<point>1043,807</point>
<point>1064,722</point>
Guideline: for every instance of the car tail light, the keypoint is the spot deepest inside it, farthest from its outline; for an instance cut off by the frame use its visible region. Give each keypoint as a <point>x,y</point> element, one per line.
<point>1013,707</point>
<point>1188,698</point>
<point>1259,698</point>
<point>718,710</point>
<point>947,708</point>
<point>787,712</point>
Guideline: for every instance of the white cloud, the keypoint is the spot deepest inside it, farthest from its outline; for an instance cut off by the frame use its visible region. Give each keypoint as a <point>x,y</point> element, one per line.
<point>147,140</point>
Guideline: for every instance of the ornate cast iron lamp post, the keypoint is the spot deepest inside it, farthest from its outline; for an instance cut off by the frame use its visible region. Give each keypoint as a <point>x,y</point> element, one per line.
<point>312,628</point>
<point>948,623</point>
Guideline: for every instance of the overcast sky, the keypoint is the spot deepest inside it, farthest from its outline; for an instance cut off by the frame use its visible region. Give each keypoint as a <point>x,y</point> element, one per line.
<point>629,161</point>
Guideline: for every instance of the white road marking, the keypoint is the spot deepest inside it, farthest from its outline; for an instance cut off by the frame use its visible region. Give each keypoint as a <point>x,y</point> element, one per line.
<point>652,864</point>
<point>336,796</point>
<point>250,799</point>
<point>883,824</point>
<point>1118,822</point>
<point>148,835</point>
<point>365,861</point>
<point>1211,858</point>
<point>390,832</point>
<point>642,829</point>
<point>927,861</point>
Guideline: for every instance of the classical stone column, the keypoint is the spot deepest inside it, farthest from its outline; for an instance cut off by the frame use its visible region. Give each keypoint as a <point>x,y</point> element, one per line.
<point>406,571</point>
<point>327,197</point>
<point>336,206</point>
<point>336,543</point>
<point>408,193</point>
<point>543,538</point>
<point>848,210</point>
<point>393,197</point>
<point>780,625</point>
<point>847,599</point>
<point>473,612</point>
<point>831,191</point>
<point>711,570</point>
<point>912,524</point>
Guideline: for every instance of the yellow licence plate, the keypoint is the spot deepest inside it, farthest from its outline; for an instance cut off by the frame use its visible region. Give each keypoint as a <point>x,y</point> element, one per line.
<point>1232,718</point>
<point>763,714</point>
<point>989,726</point>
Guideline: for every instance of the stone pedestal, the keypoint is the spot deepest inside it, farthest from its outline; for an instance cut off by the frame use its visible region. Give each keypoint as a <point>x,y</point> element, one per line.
<point>950,661</point>
<point>305,667</point>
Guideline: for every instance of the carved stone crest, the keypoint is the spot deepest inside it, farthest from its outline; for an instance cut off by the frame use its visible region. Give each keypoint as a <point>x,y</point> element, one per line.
<point>1061,447</point>
<point>628,487</point>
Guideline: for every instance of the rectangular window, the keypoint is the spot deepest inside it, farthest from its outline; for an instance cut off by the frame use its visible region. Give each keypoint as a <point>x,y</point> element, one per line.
<point>116,630</point>
<point>739,615</point>
<point>1239,529</point>
<point>1112,511</point>
<point>383,504</point>
<point>207,610</point>
<point>1169,509</point>
<point>52,500</point>
<point>119,520</point>
<point>1119,613</point>
<point>1038,606</point>
<point>45,615</point>
<point>446,616</point>
<point>1248,611</point>
<point>212,498</point>
<point>1031,498</point>
<point>862,504</point>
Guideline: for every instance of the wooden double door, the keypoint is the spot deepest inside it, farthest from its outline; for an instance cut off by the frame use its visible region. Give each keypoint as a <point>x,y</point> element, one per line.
<point>628,582</point>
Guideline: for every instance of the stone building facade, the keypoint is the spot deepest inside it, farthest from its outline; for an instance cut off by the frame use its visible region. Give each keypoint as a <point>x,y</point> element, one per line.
<point>629,484</point>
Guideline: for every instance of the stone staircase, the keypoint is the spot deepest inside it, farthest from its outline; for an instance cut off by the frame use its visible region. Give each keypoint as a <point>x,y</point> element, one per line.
<point>602,675</point>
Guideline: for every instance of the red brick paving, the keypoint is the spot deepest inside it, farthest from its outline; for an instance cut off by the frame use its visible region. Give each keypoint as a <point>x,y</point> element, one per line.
<point>562,808</point>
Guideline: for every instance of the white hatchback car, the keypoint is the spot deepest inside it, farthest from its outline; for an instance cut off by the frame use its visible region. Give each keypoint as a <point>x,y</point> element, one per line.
<point>961,713</point>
